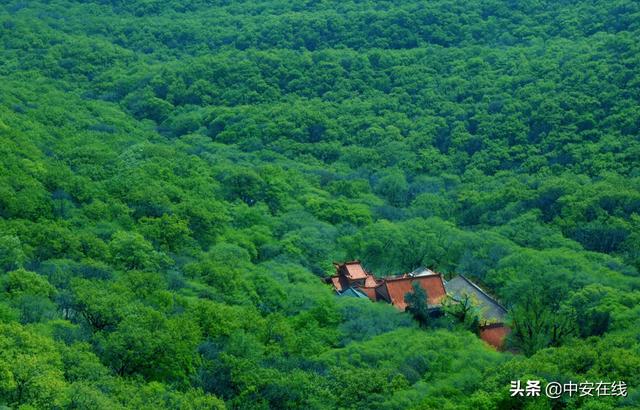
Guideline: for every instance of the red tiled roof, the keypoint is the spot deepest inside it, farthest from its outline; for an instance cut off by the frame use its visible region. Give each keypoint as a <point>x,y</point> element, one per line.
<point>370,282</point>
<point>340,283</point>
<point>335,280</point>
<point>354,270</point>
<point>398,287</point>
<point>393,290</point>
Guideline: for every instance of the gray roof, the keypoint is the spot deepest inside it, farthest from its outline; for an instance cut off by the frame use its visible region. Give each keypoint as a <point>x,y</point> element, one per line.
<point>353,293</point>
<point>490,309</point>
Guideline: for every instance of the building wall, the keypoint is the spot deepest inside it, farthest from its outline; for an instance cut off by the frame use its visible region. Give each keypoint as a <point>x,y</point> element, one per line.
<point>495,334</point>
<point>371,292</point>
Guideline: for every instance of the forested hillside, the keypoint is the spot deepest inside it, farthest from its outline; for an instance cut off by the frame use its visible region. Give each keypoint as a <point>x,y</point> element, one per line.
<point>176,177</point>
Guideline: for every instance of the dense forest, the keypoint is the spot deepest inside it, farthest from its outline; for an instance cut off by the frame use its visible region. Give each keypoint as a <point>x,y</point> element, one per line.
<point>176,177</point>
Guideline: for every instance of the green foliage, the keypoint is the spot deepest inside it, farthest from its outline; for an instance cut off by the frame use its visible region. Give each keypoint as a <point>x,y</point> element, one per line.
<point>177,176</point>
<point>535,325</point>
<point>11,254</point>
<point>131,251</point>
<point>30,369</point>
<point>145,343</point>
<point>416,301</point>
<point>466,311</point>
<point>22,282</point>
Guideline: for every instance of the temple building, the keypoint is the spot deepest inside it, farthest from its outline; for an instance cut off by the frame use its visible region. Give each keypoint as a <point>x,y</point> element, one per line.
<point>351,279</point>
<point>352,275</point>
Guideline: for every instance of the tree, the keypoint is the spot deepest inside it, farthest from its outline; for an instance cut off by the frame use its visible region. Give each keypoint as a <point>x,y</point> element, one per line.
<point>23,282</point>
<point>464,310</point>
<point>100,303</point>
<point>150,345</point>
<point>131,251</point>
<point>593,313</point>
<point>30,370</point>
<point>417,305</point>
<point>393,186</point>
<point>11,254</point>
<point>536,325</point>
<point>168,232</point>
